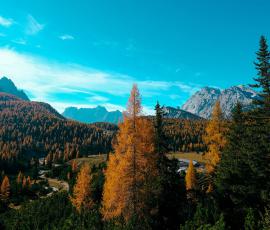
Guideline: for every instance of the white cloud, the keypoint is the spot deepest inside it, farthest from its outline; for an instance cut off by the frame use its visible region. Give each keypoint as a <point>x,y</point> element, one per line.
<point>6,22</point>
<point>98,98</point>
<point>43,79</point>
<point>20,41</point>
<point>66,37</point>
<point>33,26</point>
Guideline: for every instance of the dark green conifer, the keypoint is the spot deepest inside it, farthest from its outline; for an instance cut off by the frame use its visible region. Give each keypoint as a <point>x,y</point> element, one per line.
<point>263,79</point>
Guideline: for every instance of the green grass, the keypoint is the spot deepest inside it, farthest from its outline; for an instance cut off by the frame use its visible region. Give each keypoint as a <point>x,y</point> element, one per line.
<point>189,156</point>
<point>93,160</point>
<point>97,159</point>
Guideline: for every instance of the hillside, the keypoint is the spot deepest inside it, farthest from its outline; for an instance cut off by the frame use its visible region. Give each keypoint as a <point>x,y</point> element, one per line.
<point>203,101</point>
<point>171,112</point>
<point>36,129</point>
<point>7,86</point>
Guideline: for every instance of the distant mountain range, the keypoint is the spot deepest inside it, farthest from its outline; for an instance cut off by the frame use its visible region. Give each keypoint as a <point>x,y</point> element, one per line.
<point>7,86</point>
<point>91,115</point>
<point>198,106</point>
<point>203,101</point>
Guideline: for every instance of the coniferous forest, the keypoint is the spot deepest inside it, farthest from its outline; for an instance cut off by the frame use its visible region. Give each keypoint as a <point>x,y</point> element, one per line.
<point>137,185</point>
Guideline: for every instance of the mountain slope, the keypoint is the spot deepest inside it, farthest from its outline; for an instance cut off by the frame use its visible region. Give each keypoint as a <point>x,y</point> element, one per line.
<point>36,129</point>
<point>170,112</point>
<point>7,86</point>
<point>203,101</point>
<point>91,115</point>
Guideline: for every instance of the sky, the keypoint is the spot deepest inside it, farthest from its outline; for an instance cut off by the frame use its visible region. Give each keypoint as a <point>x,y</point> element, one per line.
<point>86,53</point>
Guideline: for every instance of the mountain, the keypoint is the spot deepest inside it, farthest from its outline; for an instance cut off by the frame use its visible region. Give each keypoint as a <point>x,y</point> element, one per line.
<point>91,115</point>
<point>7,86</point>
<point>170,112</point>
<point>203,101</point>
<point>36,129</point>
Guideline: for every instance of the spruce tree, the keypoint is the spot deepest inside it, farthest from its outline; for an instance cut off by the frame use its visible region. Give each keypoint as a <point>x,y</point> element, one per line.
<point>160,140</point>
<point>263,79</point>
<point>170,196</point>
<point>234,176</point>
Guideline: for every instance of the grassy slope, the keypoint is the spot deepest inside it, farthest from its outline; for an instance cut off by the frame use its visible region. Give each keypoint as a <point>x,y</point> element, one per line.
<point>96,159</point>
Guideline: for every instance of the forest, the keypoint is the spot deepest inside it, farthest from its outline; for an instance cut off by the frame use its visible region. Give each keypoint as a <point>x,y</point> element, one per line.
<point>138,186</point>
<point>31,129</point>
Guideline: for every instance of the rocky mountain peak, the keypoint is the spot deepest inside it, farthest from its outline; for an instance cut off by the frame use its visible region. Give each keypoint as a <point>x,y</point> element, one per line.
<point>203,101</point>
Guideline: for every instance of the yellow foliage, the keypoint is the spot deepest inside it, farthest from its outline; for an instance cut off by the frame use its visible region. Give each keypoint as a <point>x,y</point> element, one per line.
<point>132,167</point>
<point>19,178</point>
<point>24,182</point>
<point>215,138</point>
<point>29,182</point>
<point>82,190</point>
<point>5,189</point>
<point>191,181</point>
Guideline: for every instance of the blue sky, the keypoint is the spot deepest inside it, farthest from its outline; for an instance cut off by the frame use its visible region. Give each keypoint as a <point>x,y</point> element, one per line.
<point>86,53</point>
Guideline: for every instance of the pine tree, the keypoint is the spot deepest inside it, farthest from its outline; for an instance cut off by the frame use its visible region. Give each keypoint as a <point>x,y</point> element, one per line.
<point>191,181</point>
<point>132,169</point>
<point>215,138</point>
<point>263,79</point>
<point>5,189</point>
<point>160,139</point>
<point>82,192</point>
<point>234,173</point>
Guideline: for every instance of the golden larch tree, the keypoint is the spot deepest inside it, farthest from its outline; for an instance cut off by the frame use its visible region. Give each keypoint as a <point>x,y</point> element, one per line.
<point>29,182</point>
<point>5,189</point>
<point>74,166</point>
<point>19,178</point>
<point>24,182</point>
<point>82,191</point>
<point>191,181</point>
<point>129,176</point>
<point>214,138</point>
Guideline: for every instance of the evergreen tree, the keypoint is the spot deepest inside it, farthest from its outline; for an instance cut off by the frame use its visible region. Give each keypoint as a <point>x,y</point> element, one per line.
<point>233,173</point>
<point>171,195</point>
<point>160,139</point>
<point>263,79</point>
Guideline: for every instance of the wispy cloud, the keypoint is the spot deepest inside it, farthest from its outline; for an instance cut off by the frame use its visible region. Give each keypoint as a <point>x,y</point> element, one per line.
<point>44,79</point>
<point>66,37</point>
<point>20,41</point>
<point>6,22</point>
<point>33,26</point>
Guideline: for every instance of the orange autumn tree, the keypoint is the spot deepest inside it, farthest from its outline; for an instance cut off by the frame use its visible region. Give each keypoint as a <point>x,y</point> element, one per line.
<point>215,138</point>
<point>191,181</point>
<point>82,191</point>
<point>5,189</point>
<point>132,169</point>
<point>19,178</point>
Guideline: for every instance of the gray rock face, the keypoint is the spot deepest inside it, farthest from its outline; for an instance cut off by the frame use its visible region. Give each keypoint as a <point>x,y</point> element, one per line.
<point>91,115</point>
<point>7,86</point>
<point>203,101</point>
<point>170,112</point>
